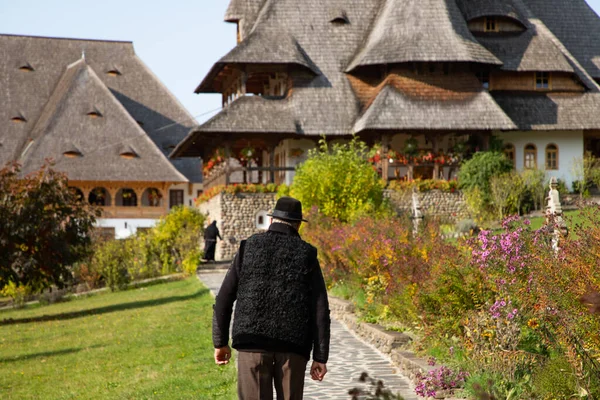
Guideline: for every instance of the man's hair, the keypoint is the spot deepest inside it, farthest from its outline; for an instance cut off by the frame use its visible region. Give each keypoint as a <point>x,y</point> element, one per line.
<point>293,224</point>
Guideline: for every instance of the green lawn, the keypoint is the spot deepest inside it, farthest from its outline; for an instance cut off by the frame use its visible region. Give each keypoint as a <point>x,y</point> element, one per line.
<point>570,217</point>
<point>147,343</point>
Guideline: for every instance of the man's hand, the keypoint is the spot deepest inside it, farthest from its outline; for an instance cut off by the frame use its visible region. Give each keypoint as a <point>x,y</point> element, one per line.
<point>222,355</point>
<point>317,371</point>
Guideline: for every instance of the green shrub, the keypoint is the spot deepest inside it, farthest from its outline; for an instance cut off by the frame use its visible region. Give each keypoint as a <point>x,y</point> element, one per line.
<point>191,262</point>
<point>339,180</point>
<point>477,173</point>
<point>176,236</point>
<point>18,293</point>
<point>555,380</point>
<point>111,260</point>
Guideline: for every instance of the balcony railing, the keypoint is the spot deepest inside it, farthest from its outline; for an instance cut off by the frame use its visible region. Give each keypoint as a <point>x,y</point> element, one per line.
<point>133,212</point>
<point>246,175</point>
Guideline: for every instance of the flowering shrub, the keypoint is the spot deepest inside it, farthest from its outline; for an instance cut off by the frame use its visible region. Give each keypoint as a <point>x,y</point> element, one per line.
<point>442,378</point>
<point>504,300</point>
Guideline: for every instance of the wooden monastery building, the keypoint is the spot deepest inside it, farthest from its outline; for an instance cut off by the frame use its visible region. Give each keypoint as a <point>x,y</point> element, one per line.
<point>429,80</point>
<point>100,114</point>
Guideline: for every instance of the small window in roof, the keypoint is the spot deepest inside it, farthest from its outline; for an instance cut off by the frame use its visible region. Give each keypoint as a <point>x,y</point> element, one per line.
<point>72,154</point>
<point>95,113</point>
<point>490,24</point>
<point>18,119</point>
<point>128,154</point>
<point>113,72</point>
<point>542,80</point>
<point>26,68</point>
<point>339,17</point>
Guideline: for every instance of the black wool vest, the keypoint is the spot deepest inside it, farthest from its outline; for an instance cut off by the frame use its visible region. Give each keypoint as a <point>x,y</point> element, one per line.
<point>274,289</point>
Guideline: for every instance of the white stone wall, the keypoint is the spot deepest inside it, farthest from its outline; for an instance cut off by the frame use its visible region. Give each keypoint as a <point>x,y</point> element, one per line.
<point>125,227</point>
<point>434,203</point>
<point>237,218</point>
<point>570,148</point>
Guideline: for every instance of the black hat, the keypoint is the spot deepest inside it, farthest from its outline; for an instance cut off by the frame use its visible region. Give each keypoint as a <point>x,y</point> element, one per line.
<point>289,209</point>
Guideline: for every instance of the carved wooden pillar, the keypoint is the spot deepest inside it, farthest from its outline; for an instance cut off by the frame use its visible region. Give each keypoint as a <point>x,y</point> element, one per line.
<point>272,164</point>
<point>227,163</point>
<point>385,163</point>
<point>436,146</point>
<point>139,192</point>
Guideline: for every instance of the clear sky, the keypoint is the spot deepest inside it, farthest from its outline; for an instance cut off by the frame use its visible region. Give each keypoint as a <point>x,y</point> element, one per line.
<point>179,40</point>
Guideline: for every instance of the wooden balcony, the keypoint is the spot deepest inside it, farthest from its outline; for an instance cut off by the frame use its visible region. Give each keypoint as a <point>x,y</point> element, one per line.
<point>133,212</point>
<point>254,175</point>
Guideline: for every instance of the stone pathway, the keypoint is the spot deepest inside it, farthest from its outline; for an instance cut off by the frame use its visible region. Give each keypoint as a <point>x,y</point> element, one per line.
<point>349,357</point>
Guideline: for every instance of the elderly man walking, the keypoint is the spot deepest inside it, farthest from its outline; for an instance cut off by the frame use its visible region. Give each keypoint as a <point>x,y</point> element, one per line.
<point>282,310</point>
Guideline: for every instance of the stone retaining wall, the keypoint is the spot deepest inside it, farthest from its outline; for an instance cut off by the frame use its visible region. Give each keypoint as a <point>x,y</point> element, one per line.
<point>394,344</point>
<point>434,203</point>
<point>236,216</point>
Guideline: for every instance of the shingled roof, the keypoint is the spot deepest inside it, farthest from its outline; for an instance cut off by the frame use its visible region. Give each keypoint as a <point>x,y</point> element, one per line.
<point>552,111</point>
<point>530,50</point>
<point>33,66</point>
<point>341,39</point>
<point>406,103</point>
<point>576,25</point>
<point>261,47</point>
<point>109,146</point>
<point>473,9</point>
<point>245,12</point>
<point>421,30</point>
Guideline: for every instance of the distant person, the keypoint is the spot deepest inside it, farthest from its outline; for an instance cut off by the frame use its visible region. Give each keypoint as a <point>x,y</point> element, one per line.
<point>282,310</point>
<point>211,233</point>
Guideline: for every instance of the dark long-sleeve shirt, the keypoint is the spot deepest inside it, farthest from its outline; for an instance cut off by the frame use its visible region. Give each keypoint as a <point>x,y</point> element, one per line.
<point>320,319</point>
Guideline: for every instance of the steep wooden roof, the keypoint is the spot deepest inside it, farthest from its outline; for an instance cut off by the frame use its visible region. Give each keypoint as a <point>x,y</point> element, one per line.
<point>84,118</point>
<point>552,111</point>
<point>261,47</point>
<point>340,42</point>
<point>420,30</point>
<point>409,103</point>
<point>32,67</point>
<point>576,25</point>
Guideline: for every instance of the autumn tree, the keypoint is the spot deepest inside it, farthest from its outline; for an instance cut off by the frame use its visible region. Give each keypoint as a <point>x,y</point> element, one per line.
<point>44,228</point>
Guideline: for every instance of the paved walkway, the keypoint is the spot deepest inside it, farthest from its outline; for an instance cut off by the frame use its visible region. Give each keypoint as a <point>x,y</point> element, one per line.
<point>349,357</point>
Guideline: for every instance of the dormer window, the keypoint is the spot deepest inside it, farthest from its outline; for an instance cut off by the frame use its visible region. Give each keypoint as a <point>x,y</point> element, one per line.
<point>17,119</point>
<point>113,72</point>
<point>128,153</point>
<point>26,68</point>
<point>277,85</point>
<point>72,154</point>
<point>95,113</point>
<point>338,17</point>
<point>542,80</point>
<point>490,24</point>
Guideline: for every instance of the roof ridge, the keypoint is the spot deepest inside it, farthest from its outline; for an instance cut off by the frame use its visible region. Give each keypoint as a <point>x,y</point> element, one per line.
<point>66,38</point>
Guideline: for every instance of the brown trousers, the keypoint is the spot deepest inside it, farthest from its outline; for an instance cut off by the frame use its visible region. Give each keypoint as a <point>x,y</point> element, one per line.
<point>258,371</point>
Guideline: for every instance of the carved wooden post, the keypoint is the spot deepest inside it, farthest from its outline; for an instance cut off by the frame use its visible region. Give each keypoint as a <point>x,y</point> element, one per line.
<point>385,163</point>
<point>272,164</point>
<point>554,215</point>
<point>435,146</point>
<point>417,215</point>
<point>227,156</point>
